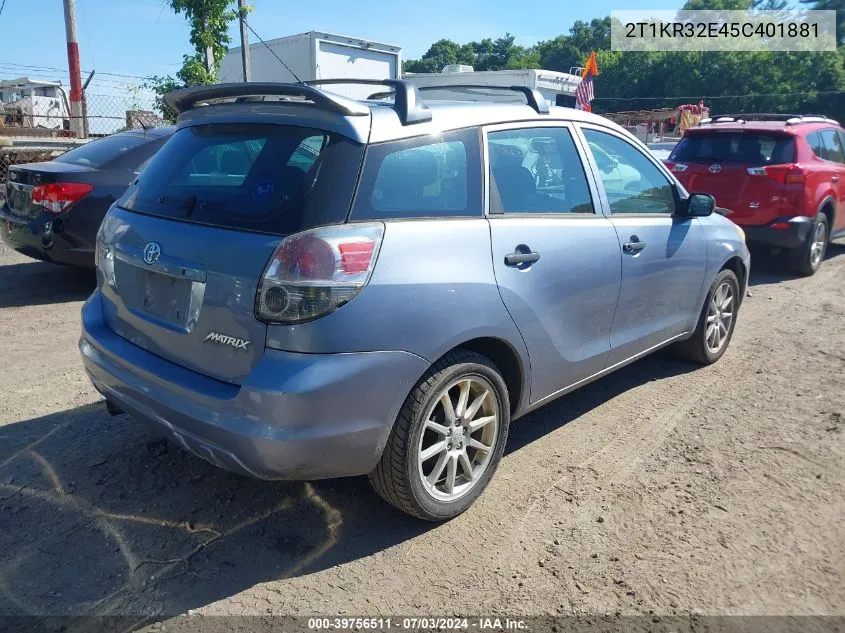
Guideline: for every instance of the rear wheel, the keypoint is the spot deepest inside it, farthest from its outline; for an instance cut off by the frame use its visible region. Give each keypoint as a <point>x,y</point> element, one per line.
<point>716,321</point>
<point>447,440</point>
<point>807,259</point>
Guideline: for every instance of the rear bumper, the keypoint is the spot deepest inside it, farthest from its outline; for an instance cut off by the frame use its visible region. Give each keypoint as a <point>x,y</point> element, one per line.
<point>36,238</point>
<point>793,235</point>
<point>297,416</point>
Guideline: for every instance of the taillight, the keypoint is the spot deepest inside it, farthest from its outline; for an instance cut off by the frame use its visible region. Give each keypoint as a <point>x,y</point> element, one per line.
<point>676,167</point>
<point>784,174</point>
<point>315,272</point>
<point>58,197</point>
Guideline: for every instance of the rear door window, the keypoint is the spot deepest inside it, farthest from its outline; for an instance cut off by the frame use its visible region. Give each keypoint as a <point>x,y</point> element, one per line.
<point>537,170</point>
<point>833,146</point>
<point>741,148</point>
<point>260,177</point>
<point>430,176</point>
<point>814,139</point>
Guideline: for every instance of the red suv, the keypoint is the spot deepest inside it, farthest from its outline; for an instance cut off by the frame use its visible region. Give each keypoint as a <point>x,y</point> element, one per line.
<point>781,177</point>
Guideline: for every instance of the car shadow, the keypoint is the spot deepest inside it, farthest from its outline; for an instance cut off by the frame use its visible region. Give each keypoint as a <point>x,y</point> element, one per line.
<point>103,516</point>
<point>769,267</point>
<point>34,283</point>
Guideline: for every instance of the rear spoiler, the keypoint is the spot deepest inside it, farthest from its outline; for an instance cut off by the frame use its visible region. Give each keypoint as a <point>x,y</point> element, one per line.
<point>181,100</point>
<point>408,103</point>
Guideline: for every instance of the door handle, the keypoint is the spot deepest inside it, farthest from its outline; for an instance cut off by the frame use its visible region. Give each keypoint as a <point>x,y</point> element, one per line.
<point>835,179</point>
<point>634,246</point>
<point>518,258</point>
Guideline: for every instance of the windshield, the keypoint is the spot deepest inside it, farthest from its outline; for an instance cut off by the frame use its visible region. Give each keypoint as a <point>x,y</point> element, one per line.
<point>260,177</point>
<point>105,150</point>
<point>743,148</point>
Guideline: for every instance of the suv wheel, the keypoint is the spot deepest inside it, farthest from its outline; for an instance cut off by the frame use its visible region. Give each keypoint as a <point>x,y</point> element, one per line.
<point>448,438</point>
<point>808,258</point>
<point>716,322</point>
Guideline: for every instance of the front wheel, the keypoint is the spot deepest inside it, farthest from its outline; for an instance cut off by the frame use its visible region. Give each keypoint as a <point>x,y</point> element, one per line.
<point>715,323</point>
<point>447,440</point>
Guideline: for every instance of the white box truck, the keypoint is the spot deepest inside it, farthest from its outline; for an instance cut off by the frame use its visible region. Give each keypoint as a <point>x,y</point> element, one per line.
<point>317,55</point>
<point>558,88</point>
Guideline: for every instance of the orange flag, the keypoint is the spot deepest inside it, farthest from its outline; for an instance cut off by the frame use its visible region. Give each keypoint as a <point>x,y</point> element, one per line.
<point>592,66</point>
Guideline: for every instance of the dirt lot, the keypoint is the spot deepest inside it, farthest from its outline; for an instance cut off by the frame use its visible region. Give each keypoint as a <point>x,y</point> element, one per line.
<point>663,488</point>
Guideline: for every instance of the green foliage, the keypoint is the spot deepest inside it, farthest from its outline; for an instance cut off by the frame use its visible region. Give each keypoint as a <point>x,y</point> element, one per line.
<point>488,54</point>
<point>209,31</point>
<point>831,5</point>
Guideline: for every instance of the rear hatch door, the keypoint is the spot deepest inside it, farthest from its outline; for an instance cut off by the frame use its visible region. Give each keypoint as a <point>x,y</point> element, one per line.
<point>730,165</point>
<point>181,254</point>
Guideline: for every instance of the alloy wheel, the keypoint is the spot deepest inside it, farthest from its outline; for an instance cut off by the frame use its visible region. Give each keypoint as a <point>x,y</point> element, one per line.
<point>458,438</point>
<point>720,315</point>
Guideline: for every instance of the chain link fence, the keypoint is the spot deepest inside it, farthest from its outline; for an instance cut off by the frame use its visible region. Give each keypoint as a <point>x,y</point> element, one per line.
<point>39,128</point>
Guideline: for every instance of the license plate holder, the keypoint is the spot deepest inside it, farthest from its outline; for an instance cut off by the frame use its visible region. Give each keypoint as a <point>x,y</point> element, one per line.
<point>164,297</point>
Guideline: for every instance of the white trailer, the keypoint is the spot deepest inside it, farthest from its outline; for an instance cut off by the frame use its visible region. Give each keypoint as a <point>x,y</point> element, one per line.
<point>317,55</point>
<point>558,88</point>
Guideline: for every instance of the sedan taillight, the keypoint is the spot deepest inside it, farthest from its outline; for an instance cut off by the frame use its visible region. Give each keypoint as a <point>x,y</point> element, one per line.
<point>315,272</point>
<point>58,197</point>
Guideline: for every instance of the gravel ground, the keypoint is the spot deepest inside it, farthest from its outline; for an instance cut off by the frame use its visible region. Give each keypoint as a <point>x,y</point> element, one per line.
<point>664,488</point>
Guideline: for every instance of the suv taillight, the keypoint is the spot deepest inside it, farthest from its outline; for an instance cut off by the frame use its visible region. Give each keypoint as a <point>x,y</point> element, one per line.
<point>676,167</point>
<point>784,174</point>
<point>315,272</point>
<point>58,197</point>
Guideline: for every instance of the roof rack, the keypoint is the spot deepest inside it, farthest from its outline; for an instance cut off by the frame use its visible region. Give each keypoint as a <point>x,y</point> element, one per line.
<point>181,100</point>
<point>408,102</point>
<point>533,97</point>
<point>788,119</point>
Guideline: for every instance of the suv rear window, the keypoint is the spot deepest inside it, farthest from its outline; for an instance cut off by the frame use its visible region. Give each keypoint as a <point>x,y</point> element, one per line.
<point>105,150</point>
<point>268,178</point>
<point>742,148</point>
<point>430,176</point>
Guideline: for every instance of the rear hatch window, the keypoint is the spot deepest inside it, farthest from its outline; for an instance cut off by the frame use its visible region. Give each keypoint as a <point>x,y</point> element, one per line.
<point>98,153</point>
<point>256,177</point>
<point>736,148</point>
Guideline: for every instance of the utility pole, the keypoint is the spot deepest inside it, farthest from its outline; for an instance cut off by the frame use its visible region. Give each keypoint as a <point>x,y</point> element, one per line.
<point>76,122</point>
<point>209,57</point>
<point>85,127</point>
<point>244,39</point>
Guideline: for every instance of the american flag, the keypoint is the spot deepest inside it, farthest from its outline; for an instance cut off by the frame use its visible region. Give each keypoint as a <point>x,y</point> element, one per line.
<point>584,92</point>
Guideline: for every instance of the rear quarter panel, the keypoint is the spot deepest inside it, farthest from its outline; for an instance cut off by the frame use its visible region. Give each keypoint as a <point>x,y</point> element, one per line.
<point>432,289</point>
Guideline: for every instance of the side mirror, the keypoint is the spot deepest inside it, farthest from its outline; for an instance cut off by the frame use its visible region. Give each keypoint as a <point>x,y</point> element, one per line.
<point>698,205</point>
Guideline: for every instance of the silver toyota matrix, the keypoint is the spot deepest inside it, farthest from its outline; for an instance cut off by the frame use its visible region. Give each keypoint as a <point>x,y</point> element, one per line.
<point>300,285</point>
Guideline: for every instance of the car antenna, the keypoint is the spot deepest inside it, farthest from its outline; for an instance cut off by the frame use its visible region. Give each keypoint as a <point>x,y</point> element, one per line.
<point>298,80</point>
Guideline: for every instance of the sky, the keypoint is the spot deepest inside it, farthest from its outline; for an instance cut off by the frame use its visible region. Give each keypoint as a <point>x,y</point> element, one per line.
<point>145,37</point>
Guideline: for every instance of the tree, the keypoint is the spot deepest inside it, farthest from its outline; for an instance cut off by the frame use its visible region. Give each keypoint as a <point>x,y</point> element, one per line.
<point>441,53</point>
<point>831,5</point>
<point>209,36</point>
<point>488,54</point>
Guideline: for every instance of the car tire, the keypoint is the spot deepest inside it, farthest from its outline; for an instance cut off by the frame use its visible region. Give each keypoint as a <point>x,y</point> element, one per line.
<point>808,258</point>
<point>405,477</point>
<point>703,346</point>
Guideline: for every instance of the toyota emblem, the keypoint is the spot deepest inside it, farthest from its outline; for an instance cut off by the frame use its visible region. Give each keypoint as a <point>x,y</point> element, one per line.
<point>715,168</point>
<point>152,252</point>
